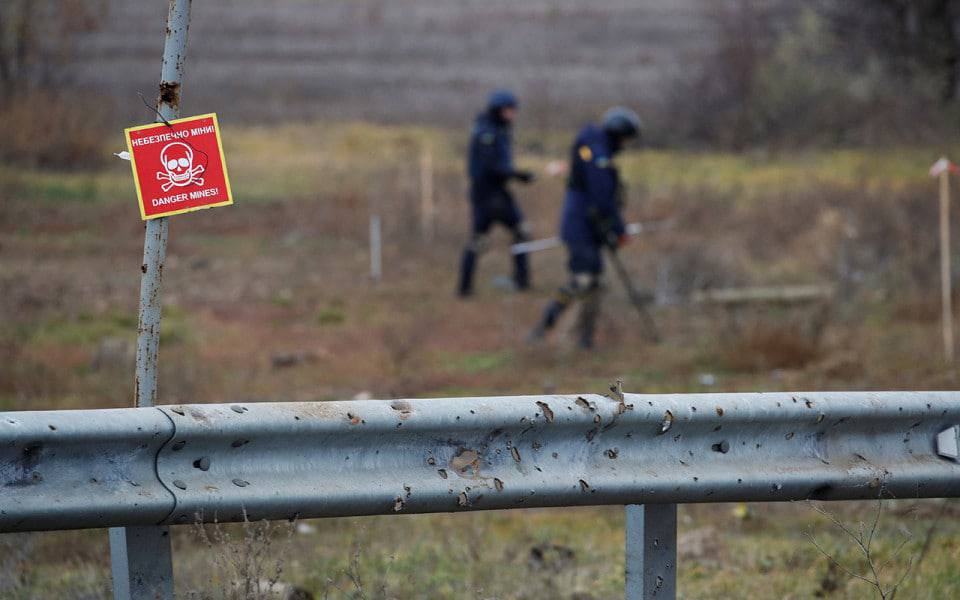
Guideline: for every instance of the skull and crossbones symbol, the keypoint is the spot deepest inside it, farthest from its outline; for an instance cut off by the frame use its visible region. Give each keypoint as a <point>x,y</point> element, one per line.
<point>178,167</point>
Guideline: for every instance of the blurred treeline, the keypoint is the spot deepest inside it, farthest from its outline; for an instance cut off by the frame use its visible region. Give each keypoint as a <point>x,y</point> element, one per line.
<point>45,118</point>
<point>778,74</point>
<point>821,73</point>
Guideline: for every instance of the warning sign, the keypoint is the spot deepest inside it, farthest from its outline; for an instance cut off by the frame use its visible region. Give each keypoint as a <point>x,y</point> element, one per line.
<point>179,167</point>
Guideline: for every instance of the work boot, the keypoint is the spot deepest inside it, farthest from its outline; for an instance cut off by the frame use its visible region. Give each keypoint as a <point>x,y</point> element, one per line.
<point>521,272</point>
<point>467,266</point>
<point>550,316</point>
<point>587,321</point>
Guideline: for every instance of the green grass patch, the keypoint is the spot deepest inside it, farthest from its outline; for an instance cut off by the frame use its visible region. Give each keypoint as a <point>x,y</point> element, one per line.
<point>331,315</point>
<point>88,329</point>
<point>480,362</point>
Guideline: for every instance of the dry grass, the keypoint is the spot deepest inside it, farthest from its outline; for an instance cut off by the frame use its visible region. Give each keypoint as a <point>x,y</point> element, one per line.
<point>284,273</point>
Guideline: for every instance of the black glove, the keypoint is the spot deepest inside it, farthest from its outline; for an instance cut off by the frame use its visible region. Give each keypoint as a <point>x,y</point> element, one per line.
<point>524,176</point>
<point>611,239</point>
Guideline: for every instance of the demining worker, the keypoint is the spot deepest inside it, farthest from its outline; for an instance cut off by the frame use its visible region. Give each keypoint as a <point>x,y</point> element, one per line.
<point>591,218</point>
<point>490,167</point>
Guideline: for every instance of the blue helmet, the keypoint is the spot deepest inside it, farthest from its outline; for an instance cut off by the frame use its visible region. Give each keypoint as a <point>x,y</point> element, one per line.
<point>622,123</point>
<point>500,99</point>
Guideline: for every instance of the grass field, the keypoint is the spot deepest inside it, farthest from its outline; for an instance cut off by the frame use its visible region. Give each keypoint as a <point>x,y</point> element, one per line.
<point>271,299</point>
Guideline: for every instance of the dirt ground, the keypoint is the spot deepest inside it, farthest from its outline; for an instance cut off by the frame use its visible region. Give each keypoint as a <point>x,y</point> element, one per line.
<point>271,300</point>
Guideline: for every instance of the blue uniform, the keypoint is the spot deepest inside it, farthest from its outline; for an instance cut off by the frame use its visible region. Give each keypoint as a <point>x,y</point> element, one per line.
<point>591,210</point>
<point>490,167</point>
<point>591,219</point>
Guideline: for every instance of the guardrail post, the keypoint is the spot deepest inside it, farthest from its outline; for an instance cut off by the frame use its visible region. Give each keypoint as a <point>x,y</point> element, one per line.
<point>141,559</point>
<point>651,563</point>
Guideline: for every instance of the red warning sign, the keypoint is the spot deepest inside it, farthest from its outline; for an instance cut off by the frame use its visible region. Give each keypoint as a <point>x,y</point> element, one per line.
<point>179,167</point>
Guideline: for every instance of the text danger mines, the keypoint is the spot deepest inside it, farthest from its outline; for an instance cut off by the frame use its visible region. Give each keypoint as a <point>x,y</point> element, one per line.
<point>179,167</point>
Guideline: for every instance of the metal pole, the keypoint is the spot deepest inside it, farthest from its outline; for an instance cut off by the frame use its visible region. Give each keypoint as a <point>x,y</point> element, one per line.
<point>650,328</point>
<point>376,245</point>
<point>142,563</point>
<point>946,285</point>
<point>651,563</point>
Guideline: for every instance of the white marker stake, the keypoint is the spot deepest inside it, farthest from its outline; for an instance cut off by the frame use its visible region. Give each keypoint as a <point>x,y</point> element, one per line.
<point>426,194</point>
<point>946,283</point>
<point>376,259</point>
<point>942,169</point>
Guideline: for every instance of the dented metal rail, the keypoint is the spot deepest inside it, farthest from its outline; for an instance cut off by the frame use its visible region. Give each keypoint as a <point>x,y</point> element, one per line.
<point>178,464</point>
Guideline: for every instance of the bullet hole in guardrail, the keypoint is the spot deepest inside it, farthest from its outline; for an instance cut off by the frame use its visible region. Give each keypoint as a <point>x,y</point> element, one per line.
<point>536,445</point>
<point>355,420</point>
<point>431,461</point>
<point>584,404</point>
<point>515,453</point>
<point>547,412</point>
<point>612,453</point>
<point>179,484</point>
<point>777,487</point>
<point>789,436</point>
<point>555,455</point>
<point>240,483</point>
<point>296,418</point>
<point>584,486</point>
<point>497,483</point>
<point>718,428</point>
<point>178,446</point>
<point>809,403</point>
<point>666,423</point>
<point>821,418</point>
<point>179,411</point>
<point>239,409</point>
<point>696,479</point>
<point>94,480</point>
<point>722,447</point>
<point>739,480</point>
<point>52,428</point>
<point>794,399</point>
<point>693,408</point>
<point>539,470</point>
<point>202,463</point>
<point>403,407</point>
<point>443,473</point>
<point>719,412</point>
<point>239,443</point>
<point>398,504</point>
<point>462,499</point>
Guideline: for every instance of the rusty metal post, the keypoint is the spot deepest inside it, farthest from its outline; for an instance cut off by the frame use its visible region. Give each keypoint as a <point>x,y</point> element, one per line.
<point>142,563</point>
<point>651,563</point>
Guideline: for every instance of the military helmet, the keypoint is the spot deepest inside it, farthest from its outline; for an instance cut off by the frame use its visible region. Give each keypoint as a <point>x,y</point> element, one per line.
<point>500,99</point>
<point>621,123</point>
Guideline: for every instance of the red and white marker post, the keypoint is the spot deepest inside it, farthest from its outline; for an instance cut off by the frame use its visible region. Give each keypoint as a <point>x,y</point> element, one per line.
<point>942,170</point>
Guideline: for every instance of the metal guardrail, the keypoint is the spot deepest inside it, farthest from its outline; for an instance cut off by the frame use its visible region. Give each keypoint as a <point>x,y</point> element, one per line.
<point>180,464</point>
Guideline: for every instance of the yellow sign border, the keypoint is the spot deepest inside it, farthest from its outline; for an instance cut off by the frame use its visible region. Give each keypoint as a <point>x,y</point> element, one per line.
<point>136,179</point>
